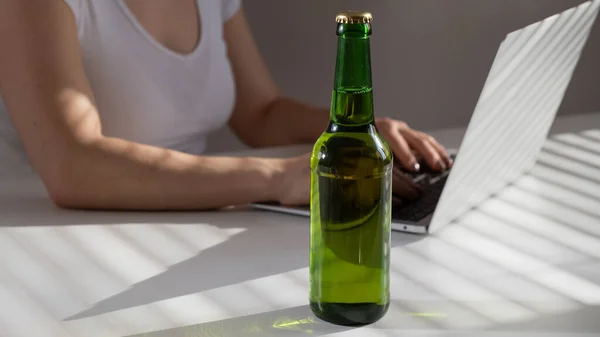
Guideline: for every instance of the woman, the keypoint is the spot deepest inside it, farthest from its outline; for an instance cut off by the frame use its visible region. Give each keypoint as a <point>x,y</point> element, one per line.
<point>113,99</point>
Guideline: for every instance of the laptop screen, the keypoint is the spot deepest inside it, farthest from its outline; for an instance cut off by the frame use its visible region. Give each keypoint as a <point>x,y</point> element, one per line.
<point>523,91</point>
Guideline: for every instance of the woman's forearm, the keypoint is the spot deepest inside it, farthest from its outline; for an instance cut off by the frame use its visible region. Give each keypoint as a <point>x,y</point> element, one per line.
<point>116,174</point>
<point>289,122</point>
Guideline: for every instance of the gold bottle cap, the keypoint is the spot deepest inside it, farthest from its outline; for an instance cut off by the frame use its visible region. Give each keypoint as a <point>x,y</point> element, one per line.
<point>354,17</point>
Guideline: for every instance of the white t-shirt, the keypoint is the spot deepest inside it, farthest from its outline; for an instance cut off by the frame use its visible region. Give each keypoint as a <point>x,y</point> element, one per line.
<point>145,92</point>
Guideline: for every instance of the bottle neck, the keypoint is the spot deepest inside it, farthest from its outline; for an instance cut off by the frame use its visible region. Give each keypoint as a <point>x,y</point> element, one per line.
<point>352,101</point>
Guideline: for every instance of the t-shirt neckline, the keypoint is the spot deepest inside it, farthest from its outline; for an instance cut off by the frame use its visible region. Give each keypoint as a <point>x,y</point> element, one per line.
<point>140,28</point>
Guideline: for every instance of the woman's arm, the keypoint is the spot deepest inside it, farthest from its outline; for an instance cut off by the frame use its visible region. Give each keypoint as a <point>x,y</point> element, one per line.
<point>52,107</point>
<point>263,117</point>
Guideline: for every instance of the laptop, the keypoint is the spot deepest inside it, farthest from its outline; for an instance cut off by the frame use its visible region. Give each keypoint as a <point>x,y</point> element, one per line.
<point>516,108</point>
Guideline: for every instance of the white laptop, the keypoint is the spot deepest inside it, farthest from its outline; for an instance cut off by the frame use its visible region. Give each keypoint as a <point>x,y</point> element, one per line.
<point>518,104</point>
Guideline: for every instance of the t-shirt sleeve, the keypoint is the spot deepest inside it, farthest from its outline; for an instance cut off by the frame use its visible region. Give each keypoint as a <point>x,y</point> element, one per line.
<point>230,8</point>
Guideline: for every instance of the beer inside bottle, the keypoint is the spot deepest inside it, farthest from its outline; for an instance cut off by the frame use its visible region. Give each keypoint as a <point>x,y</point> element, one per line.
<point>351,192</point>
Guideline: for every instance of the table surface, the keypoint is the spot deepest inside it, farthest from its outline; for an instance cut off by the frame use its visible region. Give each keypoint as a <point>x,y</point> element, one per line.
<point>525,263</point>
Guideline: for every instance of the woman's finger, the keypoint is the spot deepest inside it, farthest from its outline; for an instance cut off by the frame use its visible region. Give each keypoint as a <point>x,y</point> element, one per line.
<point>400,147</point>
<point>441,150</point>
<point>403,187</point>
<point>425,149</point>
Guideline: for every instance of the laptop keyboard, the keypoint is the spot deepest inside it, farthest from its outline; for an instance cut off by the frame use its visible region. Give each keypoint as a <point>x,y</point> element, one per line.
<point>425,205</point>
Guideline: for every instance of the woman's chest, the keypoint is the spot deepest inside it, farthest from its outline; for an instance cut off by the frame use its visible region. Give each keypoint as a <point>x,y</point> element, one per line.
<point>149,93</point>
<point>175,24</point>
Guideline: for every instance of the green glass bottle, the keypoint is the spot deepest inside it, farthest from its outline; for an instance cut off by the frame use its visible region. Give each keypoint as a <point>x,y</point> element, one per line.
<point>351,192</point>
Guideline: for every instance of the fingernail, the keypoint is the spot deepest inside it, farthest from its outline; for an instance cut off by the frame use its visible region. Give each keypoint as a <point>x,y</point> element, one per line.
<point>416,167</point>
<point>442,165</point>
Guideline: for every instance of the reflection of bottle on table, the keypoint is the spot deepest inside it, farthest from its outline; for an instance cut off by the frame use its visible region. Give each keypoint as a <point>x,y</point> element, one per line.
<point>351,192</point>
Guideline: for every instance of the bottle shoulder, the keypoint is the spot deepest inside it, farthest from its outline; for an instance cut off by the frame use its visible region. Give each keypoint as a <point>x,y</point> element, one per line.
<point>350,152</point>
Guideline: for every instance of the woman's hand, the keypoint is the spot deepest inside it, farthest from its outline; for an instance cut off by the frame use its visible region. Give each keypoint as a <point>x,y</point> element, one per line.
<point>408,145</point>
<point>293,185</point>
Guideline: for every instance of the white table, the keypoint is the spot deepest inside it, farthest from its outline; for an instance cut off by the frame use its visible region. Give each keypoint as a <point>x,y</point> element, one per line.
<point>526,263</point>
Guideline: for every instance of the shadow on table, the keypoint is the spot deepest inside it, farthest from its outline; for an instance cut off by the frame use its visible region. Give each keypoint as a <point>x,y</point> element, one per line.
<point>295,321</point>
<point>300,321</point>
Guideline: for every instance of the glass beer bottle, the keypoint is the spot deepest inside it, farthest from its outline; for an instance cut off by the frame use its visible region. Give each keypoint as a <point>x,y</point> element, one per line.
<point>351,177</point>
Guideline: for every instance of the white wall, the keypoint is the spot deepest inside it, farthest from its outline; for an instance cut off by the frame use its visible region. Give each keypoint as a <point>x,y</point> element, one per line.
<point>430,57</point>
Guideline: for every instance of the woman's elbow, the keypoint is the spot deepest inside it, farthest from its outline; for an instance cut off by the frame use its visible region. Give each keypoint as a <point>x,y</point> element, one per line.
<point>62,198</point>
<point>62,191</point>
<point>65,184</point>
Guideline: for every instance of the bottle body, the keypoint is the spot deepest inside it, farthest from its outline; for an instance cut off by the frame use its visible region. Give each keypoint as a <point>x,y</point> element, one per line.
<point>351,169</point>
<point>351,192</point>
